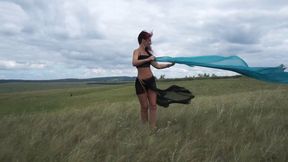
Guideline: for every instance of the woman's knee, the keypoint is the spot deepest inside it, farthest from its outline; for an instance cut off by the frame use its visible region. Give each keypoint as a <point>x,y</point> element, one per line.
<point>144,107</point>
<point>153,107</point>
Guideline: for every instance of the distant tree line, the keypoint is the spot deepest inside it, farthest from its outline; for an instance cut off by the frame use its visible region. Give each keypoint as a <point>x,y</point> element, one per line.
<point>199,76</point>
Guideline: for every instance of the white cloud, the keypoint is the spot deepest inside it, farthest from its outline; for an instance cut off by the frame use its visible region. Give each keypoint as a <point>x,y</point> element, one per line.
<point>10,65</point>
<point>96,38</point>
<point>12,19</point>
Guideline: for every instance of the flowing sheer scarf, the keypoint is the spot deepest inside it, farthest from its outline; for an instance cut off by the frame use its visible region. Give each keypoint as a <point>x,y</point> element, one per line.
<point>233,63</point>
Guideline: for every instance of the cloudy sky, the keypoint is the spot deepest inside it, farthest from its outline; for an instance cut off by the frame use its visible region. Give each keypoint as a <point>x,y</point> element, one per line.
<point>53,39</point>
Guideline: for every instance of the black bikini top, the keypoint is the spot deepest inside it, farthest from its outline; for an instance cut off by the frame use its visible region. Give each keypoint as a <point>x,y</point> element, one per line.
<point>142,57</point>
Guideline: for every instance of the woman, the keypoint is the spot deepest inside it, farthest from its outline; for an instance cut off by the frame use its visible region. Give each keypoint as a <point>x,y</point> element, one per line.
<point>145,84</point>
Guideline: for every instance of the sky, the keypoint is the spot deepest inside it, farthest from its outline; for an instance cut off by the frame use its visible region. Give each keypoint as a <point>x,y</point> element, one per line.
<point>56,39</point>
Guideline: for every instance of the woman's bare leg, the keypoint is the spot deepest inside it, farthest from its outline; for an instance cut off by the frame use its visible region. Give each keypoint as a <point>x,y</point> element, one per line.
<point>152,96</point>
<point>143,107</point>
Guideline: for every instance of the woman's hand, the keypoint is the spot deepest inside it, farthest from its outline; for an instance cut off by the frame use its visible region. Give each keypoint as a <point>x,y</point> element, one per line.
<point>151,58</point>
<point>172,64</point>
<point>169,65</point>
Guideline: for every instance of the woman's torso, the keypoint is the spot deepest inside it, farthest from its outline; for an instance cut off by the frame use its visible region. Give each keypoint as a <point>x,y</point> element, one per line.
<point>144,72</point>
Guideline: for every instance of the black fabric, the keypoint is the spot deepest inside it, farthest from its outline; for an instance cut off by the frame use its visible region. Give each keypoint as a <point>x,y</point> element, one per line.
<point>174,94</point>
<point>165,97</point>
<point>142,57</point>
<point>143,85</point>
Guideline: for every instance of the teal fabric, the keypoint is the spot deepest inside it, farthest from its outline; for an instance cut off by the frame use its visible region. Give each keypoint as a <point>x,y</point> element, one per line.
<point>232,63</point>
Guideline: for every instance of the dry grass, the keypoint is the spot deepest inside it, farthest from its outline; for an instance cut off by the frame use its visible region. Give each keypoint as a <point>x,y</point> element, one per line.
<point>242,126</point>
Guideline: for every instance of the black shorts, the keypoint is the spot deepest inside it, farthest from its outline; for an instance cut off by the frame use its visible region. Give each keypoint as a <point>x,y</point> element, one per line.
<point>142,86</point>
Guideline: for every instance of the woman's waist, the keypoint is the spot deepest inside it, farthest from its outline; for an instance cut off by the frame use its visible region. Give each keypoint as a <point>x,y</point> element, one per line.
<point>144,73</point>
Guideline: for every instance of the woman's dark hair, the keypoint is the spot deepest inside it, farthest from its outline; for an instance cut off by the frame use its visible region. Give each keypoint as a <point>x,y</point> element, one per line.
<point>145,35</point>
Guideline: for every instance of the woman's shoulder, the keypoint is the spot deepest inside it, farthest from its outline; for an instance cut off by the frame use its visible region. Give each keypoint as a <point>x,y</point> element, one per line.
<point>139,52</point>
<point>136,51</point>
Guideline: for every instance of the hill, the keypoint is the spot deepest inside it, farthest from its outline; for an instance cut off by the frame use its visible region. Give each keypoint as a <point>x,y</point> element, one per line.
<point>231,119</point>
<point>74,80</point>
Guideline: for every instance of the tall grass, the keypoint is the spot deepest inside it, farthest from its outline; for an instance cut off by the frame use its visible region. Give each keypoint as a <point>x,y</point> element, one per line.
<point>239,125</point>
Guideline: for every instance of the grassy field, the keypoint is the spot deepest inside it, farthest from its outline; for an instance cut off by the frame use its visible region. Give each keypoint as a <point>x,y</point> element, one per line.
<point>229,120</point>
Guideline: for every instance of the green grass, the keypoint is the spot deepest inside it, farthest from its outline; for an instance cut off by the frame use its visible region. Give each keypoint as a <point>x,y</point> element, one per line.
<point>56,98</point>
<point>229,120</point>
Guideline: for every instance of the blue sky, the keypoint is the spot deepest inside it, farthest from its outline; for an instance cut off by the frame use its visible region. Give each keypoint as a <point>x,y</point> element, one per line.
<point>53,39</point>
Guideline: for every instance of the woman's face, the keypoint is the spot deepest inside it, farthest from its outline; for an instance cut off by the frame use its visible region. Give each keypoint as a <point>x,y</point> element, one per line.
<point>147,42</point>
